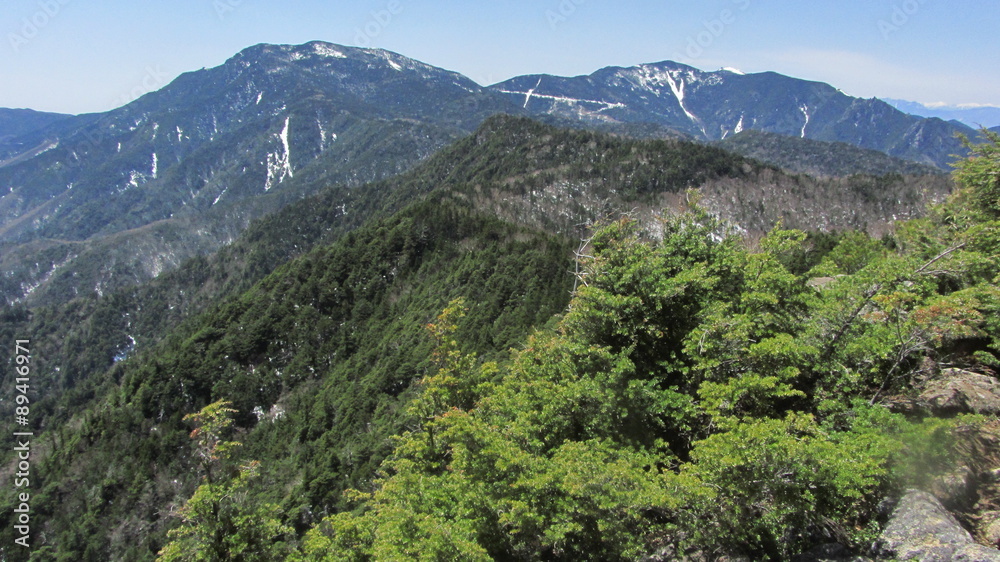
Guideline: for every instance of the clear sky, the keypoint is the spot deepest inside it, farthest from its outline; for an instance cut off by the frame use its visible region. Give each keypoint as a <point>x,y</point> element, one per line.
<point>78,56</point>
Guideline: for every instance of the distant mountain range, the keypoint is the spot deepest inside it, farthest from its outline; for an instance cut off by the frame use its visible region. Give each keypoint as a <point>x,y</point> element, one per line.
<point>971,116</point>
<point>18,123</point>
<point>98,201</point>
<point>714,105</point>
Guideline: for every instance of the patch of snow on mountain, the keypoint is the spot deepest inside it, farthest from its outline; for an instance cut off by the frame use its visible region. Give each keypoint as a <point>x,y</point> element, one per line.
<point>571,101</point>
<point>123,354</point>
<point>676,84</point>
<point>805,112</point>
<point>527,95</point>
<point>28,288</point>
<point>220,196</point>
<point>713,80</point>
<point>279,165</point>
<point>133,180</point>
<point>327,51</point>
<point>677,87</point>
<point>50,146</point>
<point>288,152</point>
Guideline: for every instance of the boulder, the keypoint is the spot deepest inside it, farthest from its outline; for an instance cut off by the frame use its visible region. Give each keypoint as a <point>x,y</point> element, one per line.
<point>820,282</point>
<point>975,553</point>
<point>922,529</point>
<point>991,527</point>
<point>956,489</point>
<point>962,392</point>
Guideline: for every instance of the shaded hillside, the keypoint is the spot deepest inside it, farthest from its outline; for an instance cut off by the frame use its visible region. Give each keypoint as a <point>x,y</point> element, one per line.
<point>18,124</point>
<point>562,179</point>
<point>819,158</point>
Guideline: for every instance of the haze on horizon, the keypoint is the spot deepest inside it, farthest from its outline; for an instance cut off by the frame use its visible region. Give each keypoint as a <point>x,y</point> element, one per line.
<point>74,57</point>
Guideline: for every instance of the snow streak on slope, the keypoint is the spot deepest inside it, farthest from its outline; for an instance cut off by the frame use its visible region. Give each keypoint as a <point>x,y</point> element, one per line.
<point>279,165</point>
<point>571,101</point>
<point>527,96</point>
<point>677,87</point>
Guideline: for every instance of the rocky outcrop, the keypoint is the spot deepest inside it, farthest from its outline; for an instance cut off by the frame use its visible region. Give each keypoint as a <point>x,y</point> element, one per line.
<point>922,529</point>
<point>962,392</point>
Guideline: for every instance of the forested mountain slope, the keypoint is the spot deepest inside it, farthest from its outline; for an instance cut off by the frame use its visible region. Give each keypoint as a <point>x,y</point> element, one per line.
<point>820,158</point>
<point>522,171</point>
<point>604,436</point>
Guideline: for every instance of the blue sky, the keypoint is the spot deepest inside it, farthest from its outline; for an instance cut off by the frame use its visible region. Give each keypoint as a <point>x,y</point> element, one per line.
<point>82,55</point>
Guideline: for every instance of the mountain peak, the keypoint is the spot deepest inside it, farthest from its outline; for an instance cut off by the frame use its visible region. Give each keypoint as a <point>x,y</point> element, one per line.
<point>324,53</point>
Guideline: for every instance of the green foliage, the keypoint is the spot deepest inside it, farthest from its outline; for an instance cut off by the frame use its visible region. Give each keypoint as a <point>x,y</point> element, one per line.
<point>780,483</point>
<point>854,251</point>
<point>697,392</point>
<point>978,175</point>
<point>224,519</point>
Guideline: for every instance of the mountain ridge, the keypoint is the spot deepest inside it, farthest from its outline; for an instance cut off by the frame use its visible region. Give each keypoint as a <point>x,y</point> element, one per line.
<point>215,148</point>
<point>970,116</point>
<point>712,105</point>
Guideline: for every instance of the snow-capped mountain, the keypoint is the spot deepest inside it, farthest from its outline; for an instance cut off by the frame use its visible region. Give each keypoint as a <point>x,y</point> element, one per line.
<point>182,170</point>
<point>715,105</point>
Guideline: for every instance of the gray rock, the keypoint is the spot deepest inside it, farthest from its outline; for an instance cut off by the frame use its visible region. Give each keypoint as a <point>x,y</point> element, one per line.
<point>922,529</point>
<point>975,553</point>
<point>820,282</point>
<point>955,488</point>
<point>960,392</point>
<point>991,527</point>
